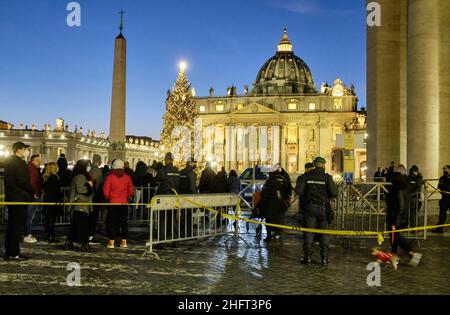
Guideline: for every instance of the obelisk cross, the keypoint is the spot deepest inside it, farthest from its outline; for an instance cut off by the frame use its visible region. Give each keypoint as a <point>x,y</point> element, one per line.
<point>121,21</point>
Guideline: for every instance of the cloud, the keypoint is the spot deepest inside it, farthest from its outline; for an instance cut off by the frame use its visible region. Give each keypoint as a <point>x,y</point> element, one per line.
<point>306,6</point>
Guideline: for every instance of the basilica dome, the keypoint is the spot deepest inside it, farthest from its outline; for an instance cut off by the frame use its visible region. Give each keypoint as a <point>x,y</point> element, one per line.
<point>284,73</point>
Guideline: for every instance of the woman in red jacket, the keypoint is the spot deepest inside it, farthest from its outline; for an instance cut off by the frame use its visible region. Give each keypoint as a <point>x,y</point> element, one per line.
<point>117,188</point>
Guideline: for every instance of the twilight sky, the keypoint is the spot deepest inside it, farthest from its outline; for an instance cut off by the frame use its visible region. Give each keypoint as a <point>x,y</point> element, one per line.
<point>49,70</point>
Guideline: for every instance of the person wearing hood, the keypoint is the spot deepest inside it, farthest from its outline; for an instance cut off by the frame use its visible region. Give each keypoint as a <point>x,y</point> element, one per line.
<point>397,214</point>
<point>81,192</point>
<point>117,188</point>
<point>64,174</point>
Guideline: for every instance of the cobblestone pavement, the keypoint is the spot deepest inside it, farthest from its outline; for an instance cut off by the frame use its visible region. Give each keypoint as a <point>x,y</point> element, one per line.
<point>215,266</point>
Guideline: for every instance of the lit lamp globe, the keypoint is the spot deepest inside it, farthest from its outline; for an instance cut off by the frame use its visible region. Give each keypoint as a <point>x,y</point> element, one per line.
<point>183,66</point>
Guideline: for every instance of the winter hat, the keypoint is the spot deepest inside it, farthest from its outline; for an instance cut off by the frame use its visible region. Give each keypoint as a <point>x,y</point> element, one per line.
<point>118,165</point>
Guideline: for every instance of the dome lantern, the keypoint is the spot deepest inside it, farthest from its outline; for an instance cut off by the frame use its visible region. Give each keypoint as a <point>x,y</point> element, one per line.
<point>284,73</point>
<point>285,45</point>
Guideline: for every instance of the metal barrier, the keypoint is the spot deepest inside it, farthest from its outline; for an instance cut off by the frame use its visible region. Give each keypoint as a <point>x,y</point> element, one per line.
<point>176,219</point>
<point>2,198</point>
<point>362,207</point>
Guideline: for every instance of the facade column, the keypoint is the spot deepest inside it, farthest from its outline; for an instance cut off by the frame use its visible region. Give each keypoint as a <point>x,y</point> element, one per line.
<point>302,142</point>
<point>275,144</point>
<point>423,86</point>
<point>283,138</point>
<point>324,140</point>
<point>444,81</point>
<point>387,86</point>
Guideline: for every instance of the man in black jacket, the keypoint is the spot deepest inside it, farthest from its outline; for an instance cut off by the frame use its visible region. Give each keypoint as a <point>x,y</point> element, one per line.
<point>17,189</point>
<point>315,191</point>
<point>444,203</point>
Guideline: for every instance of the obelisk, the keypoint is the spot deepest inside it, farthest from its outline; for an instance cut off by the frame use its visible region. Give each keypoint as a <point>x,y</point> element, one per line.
<point>118,100</point>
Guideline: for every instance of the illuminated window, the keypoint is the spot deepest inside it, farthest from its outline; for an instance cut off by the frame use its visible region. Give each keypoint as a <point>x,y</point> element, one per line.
<point>219,108</point>
<point>292,106</point>
<point>202,109</point>
<point>338,103</point>
<point>312,106</point>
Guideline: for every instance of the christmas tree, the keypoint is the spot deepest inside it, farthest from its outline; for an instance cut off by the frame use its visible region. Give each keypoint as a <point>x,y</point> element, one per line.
<point>180,109</point>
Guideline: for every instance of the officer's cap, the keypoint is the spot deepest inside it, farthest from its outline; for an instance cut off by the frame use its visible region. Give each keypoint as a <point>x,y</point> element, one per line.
<point>320,160</point>
<point>309,165</point>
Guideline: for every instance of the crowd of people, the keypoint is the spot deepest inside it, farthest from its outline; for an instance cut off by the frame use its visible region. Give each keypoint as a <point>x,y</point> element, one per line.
<point>90,183</point>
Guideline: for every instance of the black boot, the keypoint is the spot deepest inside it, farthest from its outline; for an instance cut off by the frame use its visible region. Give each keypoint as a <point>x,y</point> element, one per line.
<point>306,260</point>
<point>325,261</point>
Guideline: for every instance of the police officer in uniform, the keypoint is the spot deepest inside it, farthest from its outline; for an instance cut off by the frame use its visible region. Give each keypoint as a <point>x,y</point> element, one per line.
<point>168,179</point>
<point>308,168</point>
<point>315,190</point>
<point>444,203</point>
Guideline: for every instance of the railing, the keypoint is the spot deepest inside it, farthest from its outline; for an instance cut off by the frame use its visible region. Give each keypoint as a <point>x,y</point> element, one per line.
<point>2,198</point>
<point>181,218</point>
<point>363,206</point>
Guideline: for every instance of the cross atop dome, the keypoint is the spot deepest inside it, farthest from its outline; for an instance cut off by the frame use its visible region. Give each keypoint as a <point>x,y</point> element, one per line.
<point>285,45</point>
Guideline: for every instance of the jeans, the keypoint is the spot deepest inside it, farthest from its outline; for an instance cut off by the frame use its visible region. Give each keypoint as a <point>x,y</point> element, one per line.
<point>32,209</point>
<point>315,218</point>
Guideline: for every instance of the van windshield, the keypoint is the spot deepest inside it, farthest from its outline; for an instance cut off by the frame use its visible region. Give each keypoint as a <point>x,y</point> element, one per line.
<point>248,174</point>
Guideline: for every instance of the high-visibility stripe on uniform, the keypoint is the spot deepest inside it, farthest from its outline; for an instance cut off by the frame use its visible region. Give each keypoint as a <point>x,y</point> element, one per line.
<point>315,182</point>
<point>173,174</point>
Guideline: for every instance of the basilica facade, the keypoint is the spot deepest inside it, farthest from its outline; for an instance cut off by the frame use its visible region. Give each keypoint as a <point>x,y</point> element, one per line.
<point>283,118</point>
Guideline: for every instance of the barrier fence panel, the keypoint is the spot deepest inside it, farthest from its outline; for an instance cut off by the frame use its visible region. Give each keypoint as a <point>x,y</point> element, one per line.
<point>181,218</point>
<point>2,198</point>
<point>362,206</point>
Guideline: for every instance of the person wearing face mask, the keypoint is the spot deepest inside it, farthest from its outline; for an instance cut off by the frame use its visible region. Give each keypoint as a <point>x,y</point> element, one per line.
<point>17,189</point>
<point>444,203</point>
<point>81,191</point>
